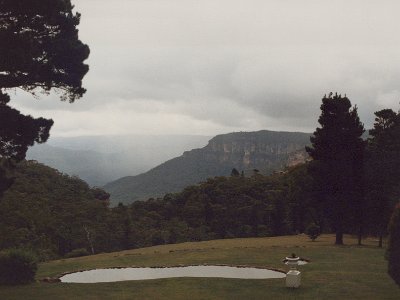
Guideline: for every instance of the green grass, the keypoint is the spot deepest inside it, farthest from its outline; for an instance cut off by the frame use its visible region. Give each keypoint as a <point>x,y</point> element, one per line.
<point>336,272</point>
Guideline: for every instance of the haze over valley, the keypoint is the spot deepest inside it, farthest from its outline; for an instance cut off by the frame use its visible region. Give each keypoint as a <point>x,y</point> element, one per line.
<point>101,159</point>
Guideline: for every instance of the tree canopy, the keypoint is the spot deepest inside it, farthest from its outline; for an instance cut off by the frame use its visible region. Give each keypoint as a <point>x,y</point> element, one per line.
<point>55,214</point>
<point>40,48</point>
<point>18,131</point>
<point>337,150</point>
<point>39,51</point>
<point>51,213</point>
<point>383,169</point>
<point>394,246</point>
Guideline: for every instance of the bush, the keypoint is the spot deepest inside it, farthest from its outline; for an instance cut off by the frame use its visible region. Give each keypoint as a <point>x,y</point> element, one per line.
<point>393,252</point>
<point>17,266</point>
<point>45,254</point>
<point>313,231</point>
<point>77,253</point>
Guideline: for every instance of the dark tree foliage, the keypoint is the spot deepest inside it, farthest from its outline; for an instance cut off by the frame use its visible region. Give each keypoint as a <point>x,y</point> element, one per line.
<point>40,47</point>
<point>235,173</point>
<point>18,132</point>
<point>39,51</point>
<point>221,207</point>
<point>304,203</point>
<point>17,266</point>
<point>100,194</point>
<point>383,169</point>
<point>57,215</point>
<point>54,214</point>
<point>393,251</point>
<point>383,133</point>
<point>337,150</point>
<point>5,181</point>
<point>313,231</point>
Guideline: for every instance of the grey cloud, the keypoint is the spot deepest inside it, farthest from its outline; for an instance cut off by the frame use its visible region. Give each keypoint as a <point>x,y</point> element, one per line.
<point>229,65</point>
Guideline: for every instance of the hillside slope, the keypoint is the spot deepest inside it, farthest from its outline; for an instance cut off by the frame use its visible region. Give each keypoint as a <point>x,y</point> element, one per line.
<point>47,211</point>
<point>263,150</point>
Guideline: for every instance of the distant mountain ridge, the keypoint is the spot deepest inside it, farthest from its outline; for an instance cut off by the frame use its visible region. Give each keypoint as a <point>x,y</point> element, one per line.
<point>94,167</point>
<point>263,150</point>
<point>101,159</point>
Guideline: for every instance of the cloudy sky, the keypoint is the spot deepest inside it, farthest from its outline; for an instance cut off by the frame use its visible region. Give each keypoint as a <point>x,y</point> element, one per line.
<point>216,66</point>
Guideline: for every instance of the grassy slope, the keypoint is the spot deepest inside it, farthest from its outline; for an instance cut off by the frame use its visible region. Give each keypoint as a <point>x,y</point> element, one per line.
<point>347,272</point>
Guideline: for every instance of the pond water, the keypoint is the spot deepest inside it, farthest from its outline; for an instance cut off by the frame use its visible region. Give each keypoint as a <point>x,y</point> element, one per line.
<point>122,274</point>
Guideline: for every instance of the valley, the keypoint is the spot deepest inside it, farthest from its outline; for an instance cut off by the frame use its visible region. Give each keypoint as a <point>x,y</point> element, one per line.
<point>265,151</point>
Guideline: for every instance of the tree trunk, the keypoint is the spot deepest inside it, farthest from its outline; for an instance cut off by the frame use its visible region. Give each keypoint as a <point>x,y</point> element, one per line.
<point>359,235</point>
<point>339,228</point>
<point>380,240</point>
<point>339,238</point>
<point>339,235</point>
<point>89,239</point>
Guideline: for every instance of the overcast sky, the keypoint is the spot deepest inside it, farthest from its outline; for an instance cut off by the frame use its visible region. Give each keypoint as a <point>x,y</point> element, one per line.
<point>217,66</point>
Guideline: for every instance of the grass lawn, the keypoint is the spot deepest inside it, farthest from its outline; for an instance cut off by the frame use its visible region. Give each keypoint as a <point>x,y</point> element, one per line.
<point>336,272</point>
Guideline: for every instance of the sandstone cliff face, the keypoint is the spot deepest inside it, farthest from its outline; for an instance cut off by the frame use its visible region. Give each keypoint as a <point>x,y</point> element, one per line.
<point>262,150</point>
<point>297,157</point>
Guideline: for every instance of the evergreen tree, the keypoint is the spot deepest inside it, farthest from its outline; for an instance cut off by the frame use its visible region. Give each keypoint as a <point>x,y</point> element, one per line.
<point>39,51</point>
<point>18,131</point>
<point>383,169</point>
<point>337,149</point>
<point>393,251</point>
<point>40,47</point>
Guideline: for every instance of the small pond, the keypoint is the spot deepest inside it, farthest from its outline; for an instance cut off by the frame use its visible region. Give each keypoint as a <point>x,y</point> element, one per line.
<point>121,274</point>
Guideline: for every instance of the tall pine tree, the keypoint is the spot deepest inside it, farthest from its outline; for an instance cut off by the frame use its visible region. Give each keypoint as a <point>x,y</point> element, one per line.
<point>337,152</point>
<point>383,169</point>
<point>393,250</point>
<point>39,51</point>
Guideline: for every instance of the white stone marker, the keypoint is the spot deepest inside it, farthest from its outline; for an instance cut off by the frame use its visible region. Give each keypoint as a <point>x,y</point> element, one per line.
<point>293,277</point>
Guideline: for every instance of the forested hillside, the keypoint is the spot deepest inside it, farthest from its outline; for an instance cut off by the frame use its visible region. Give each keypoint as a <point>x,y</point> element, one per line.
<point>53,213</point>
<point>222,207</point>
<point>57,215</point>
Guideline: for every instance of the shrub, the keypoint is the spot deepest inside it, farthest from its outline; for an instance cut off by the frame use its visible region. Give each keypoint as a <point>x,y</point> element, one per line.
<point>17,266</point>
<point>263,230</point>
<point>313,231</point>
<point>45,254</point>
<point>393,252</point>
<point>77,253</point>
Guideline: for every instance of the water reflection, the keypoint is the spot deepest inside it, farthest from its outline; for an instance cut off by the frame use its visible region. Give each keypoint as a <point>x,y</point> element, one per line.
<point>112,275</point>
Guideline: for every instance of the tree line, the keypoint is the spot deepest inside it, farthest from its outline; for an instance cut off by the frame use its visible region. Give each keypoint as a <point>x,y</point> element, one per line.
<point>54,214</point>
